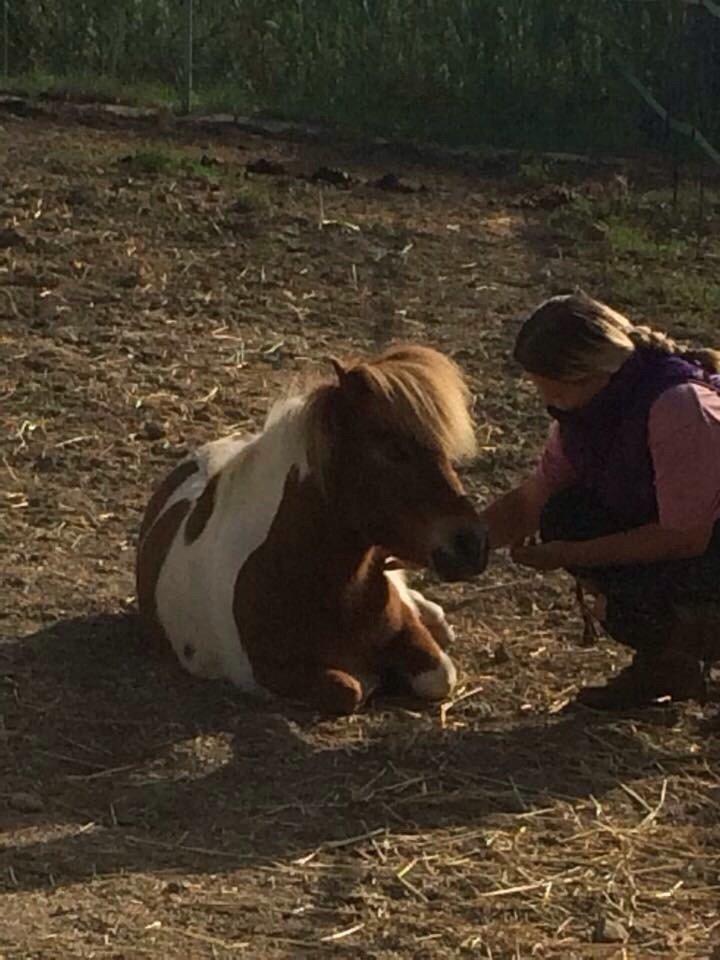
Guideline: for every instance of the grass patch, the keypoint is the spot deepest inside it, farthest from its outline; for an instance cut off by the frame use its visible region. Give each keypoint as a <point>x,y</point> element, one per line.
<point>155,161</point>
<point>649,251</point>
<point>535,172</point>
<point>683,291</point>
<point>648,225</point>
<point>643,240</point>
<point>97,89</point>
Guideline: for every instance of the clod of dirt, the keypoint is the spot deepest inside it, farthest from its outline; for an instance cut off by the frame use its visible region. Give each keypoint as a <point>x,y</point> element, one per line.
<point>11,238</point>
<point>333,176</point>
<point>608,930</point>
<point>596,231</point>
<point>394,184</point>
<point>266,167</point>
<point>550,197</point>
<point>173,888</point>
<point>45,463</point>
<point>26,802</point>
<point>501,654</point>
<point>79,196</point>
<point>19,107</point>
<point>48,308</point>
<point>152,430</point>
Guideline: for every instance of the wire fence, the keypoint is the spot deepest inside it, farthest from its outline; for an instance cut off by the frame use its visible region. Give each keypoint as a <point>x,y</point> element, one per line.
<point>546,73</point>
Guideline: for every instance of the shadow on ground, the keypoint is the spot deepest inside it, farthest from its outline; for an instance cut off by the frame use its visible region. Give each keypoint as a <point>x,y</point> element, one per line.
<point>137,767</point>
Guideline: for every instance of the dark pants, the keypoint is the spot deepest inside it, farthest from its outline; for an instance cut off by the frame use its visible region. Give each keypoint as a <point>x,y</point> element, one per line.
<point>647,604</point>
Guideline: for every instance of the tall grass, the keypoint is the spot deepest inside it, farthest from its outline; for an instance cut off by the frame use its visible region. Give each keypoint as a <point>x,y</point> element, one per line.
<point>518,72</point>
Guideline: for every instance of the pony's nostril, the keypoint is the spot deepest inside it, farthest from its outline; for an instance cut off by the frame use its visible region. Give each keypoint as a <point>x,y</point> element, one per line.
<point>464,556</point>
<point>470,547</point>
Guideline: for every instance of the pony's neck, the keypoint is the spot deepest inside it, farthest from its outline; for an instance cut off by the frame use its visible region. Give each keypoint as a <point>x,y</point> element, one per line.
<point>267,459</point>
<point>306,525</point>
<point>318,536</point>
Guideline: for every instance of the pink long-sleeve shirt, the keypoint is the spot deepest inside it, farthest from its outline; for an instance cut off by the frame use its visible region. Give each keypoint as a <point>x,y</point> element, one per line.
<point>684,441</point>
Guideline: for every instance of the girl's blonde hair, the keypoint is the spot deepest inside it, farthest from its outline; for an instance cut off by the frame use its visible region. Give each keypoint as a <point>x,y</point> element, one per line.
<point>572,336</point>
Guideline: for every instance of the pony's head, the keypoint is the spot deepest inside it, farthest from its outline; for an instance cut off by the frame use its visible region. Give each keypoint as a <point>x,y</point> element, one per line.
<point>382,440</point>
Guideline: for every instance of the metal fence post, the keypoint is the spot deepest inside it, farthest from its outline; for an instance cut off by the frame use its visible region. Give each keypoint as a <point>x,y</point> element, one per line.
<point>188,86</point>
<point>6,39</point>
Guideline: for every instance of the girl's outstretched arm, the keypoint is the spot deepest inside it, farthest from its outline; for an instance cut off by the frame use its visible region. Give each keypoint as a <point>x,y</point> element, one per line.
<point>514,517</point>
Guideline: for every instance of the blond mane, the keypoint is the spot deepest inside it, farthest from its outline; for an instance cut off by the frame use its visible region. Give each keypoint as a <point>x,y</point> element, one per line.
<point>426,397</point>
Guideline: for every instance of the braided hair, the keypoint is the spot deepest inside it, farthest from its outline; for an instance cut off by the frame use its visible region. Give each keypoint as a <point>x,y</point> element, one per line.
<point>572,336</point>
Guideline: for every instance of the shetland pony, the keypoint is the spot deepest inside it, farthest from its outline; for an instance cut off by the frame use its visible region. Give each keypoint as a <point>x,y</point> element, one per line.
<point>264,559</point>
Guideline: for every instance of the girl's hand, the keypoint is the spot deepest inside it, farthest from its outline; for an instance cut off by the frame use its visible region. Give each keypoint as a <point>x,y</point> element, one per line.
<point>542,556</point>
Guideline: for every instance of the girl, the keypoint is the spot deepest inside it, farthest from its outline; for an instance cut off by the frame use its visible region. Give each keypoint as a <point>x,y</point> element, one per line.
<point>626,495</point>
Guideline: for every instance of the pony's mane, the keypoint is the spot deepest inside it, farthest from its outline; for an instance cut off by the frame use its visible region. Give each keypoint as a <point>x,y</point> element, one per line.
<point>423,395</point>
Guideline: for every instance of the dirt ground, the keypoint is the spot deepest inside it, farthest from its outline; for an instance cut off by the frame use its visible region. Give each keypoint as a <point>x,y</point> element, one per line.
<point>151,299</point>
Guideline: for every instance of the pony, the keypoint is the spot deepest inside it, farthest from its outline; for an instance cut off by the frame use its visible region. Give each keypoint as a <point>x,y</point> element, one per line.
<point>275,561</point>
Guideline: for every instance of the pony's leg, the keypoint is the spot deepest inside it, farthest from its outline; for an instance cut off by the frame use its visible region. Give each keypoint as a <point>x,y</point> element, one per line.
<point>433,617</point>
<point>327,689</point>
<point>332,690</point>
<point>431,614</point>
<point>415,655</point>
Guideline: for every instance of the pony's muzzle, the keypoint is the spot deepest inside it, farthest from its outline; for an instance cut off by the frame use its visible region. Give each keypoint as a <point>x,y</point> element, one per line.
<point>464,556</point>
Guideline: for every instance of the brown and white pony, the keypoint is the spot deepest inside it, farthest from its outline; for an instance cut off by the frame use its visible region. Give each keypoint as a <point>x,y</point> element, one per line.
<point>263,559</point>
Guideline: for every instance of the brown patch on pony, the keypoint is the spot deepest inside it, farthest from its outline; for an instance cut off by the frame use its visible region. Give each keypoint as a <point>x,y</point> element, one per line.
<point>163,493</point>
<point>328,633</point>
<point>324,611</point>
<point>420,391</point>
<point>152,553</point>
<point>202,511</point>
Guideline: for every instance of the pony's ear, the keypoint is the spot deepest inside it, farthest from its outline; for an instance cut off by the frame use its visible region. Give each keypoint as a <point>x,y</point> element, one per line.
<point>353,381</point>
<point>339,370</point>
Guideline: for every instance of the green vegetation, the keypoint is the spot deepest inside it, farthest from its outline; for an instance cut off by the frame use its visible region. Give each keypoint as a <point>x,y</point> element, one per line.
<point>102,89</point>
<point>646,247</point>
<point>167,161</point>
<point>517,73</point>
<point>156,162</point>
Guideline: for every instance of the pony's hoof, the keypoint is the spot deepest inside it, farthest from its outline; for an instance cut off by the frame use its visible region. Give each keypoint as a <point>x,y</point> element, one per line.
<point>438,683</point>
<point>339,693</point>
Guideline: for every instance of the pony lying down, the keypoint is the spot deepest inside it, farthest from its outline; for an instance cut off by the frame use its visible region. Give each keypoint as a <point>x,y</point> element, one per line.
<point>264,560</point>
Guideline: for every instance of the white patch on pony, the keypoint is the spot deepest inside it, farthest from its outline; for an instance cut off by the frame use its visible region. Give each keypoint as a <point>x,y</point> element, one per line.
<point>431,614</point>
<point>195,589</point>
<point>438,683</point>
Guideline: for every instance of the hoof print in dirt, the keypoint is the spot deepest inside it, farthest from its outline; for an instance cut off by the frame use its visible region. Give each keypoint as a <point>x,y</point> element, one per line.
<point>265,167</point>
<point>394,184</point>
<point>332,176</point>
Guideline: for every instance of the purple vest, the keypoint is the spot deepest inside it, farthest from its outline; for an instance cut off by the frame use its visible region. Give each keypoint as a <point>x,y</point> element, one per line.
<point>606,441</point>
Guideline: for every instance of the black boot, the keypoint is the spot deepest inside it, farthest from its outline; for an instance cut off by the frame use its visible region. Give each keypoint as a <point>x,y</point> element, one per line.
<point>649,677</point>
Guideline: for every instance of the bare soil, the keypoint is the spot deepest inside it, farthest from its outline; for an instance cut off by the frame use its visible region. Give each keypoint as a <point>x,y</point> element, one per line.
<point>143,311</point>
